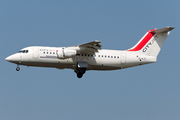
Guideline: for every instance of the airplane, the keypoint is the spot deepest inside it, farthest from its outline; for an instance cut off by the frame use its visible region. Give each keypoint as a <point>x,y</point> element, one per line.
<point>90,56</point>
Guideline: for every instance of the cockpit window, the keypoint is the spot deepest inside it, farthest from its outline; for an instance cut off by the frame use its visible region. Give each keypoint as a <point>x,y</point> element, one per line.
<point>23,51</point>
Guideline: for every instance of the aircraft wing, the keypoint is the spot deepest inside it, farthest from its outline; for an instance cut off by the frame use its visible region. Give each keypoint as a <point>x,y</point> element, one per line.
<point>89,48</point>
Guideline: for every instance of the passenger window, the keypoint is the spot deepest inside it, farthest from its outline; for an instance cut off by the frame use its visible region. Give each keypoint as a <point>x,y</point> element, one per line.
<point>44,52</point>
<point>108,56</point>
<point>102,55</point>
<point>117,56</point>
<point>50,52</point>
<point>111,56</point>
<point>99,55</point>
<point>114,56</point>
<point>53,52</point>
<point>47,52</point>
<point>105,56</point>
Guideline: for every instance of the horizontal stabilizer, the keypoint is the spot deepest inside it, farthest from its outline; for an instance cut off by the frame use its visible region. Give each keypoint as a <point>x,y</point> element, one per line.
<point>162,30</point>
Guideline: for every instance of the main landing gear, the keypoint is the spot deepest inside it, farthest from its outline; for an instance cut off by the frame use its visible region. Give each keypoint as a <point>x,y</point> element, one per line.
<point>80,69</point>
<point>17,68</point>
<point>80,72</point>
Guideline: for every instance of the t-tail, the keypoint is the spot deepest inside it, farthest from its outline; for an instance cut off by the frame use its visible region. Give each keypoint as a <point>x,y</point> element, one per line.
<point>151,43</point>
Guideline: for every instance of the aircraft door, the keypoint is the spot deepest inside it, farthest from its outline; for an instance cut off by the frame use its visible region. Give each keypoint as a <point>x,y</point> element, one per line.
<point>20,57</point>
<point>123,58</point>
<point>36,53</point>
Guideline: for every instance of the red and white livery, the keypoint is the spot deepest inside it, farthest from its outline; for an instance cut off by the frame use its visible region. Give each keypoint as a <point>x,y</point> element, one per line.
<point>90,56</point>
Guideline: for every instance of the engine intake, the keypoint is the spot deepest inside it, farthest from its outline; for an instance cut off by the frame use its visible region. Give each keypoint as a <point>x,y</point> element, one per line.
<point>64,54</point>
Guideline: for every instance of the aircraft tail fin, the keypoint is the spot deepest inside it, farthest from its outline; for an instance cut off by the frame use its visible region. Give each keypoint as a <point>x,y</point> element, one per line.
<point>151,43</point>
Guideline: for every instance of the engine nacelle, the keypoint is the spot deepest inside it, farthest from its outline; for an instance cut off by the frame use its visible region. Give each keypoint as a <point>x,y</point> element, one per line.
<point>63,53</point>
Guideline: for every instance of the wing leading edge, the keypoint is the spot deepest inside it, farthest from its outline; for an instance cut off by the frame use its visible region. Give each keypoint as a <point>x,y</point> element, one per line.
<point>89,48</point>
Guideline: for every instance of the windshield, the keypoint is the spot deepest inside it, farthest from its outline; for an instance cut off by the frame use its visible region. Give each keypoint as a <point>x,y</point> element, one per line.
<point>23,51</point>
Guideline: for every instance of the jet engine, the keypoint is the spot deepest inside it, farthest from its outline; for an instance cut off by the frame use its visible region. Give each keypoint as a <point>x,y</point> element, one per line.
<point>64,54</point>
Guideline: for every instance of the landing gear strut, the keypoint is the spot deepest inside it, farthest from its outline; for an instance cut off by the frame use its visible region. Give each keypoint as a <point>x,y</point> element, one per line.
<point>18,68</point>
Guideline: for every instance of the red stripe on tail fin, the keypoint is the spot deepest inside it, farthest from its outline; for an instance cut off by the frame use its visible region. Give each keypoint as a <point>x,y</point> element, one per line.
<point>144,41</point>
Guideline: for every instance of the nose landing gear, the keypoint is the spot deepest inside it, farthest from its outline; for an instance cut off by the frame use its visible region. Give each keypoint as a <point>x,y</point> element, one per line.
<point>17,68</point>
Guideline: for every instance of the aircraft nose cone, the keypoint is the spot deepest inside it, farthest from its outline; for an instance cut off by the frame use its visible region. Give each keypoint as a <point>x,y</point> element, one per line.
<point>8,58</point>
<point>13,58</point>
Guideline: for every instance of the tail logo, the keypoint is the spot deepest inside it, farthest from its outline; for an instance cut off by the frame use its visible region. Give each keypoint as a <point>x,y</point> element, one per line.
<point>150,43</point>
<point>147,46</point>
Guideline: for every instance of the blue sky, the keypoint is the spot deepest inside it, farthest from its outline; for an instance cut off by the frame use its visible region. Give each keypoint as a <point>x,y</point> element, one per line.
<point>148,92</point>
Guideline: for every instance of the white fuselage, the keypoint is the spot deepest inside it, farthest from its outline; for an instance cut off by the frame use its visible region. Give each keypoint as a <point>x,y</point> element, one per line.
<point>102,60</point>
<point>90,56</point>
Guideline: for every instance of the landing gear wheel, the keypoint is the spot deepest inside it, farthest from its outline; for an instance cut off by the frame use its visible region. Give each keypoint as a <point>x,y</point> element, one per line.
<point>80,71</point>
<point>18,68</point>
<point>79,75</point>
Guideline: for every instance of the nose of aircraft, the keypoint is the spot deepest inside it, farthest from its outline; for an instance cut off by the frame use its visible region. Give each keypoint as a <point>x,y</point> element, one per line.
<point>13,58</point>
<point>8,58</point>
